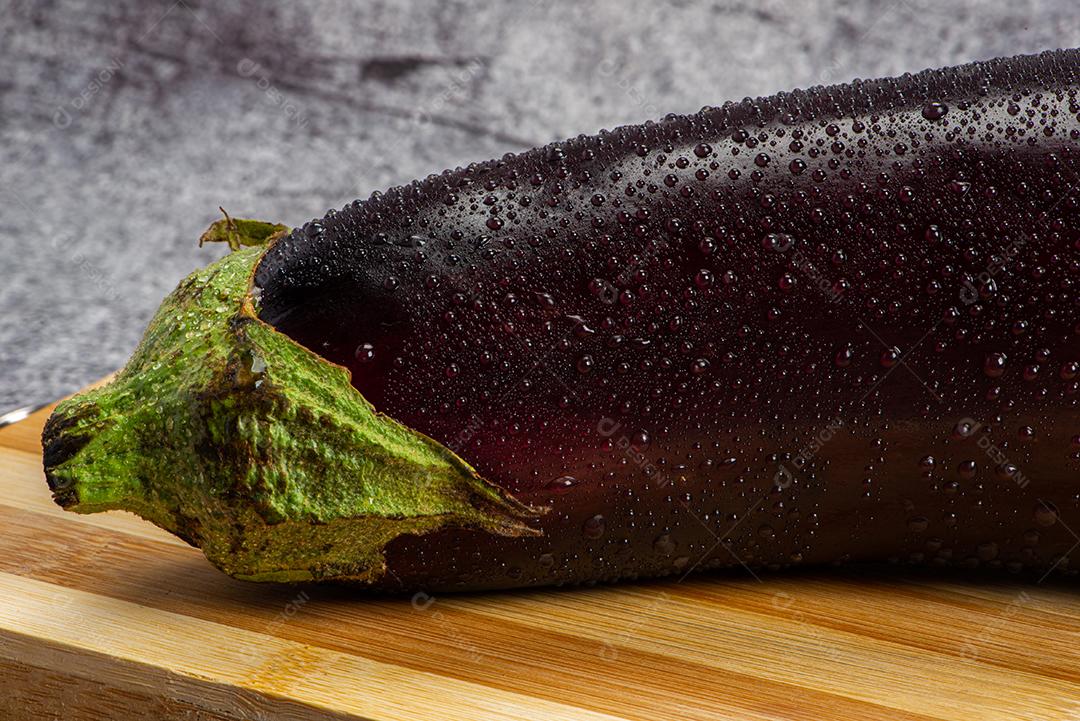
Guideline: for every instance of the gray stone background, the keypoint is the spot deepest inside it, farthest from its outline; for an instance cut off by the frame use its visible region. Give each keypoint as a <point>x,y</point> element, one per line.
<point>124,125</point>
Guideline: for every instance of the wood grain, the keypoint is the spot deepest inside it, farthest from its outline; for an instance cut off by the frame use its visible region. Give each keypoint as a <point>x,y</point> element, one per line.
<point>107,617</point>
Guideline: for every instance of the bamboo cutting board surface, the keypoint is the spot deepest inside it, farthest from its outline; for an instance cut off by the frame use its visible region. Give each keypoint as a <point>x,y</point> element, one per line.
<point>107,617</point>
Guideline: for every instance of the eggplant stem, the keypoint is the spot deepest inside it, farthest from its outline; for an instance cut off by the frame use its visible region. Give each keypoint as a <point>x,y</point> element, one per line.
<point>242,232</point>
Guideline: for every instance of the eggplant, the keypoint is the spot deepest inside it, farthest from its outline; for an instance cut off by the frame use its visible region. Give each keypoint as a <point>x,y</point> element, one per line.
<point>833,325</point>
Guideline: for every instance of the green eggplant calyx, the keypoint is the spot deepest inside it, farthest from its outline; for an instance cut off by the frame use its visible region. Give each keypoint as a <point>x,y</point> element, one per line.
<point>248,445</point>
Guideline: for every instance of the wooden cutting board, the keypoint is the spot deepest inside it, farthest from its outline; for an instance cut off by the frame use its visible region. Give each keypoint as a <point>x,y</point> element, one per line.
<point>107,617</point>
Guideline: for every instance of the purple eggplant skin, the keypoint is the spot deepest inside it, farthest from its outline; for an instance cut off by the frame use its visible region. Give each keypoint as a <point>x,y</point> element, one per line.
<point>831,325</point>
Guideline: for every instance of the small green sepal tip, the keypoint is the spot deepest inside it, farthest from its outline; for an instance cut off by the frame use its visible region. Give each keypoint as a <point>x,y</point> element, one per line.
<point>241,232</point>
